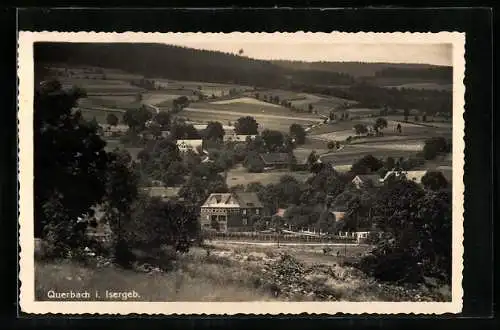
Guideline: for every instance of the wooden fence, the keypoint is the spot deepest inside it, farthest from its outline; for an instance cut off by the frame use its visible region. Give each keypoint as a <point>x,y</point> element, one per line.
<point>273,237</point>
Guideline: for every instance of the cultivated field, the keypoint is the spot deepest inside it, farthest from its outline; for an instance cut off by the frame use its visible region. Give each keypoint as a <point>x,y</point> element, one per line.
<point>239,175</point>
<point>276,118</point>
<point>207,88</point>
<point>351,154</point>
<point>247,100</point>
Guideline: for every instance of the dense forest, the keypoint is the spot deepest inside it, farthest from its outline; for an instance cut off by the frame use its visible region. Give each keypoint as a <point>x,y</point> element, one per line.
<point>362,69</point>
<point>181,63</point>
<point>371,96</point>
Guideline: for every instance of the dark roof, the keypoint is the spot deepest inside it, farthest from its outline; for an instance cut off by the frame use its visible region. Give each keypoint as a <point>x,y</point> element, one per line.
<point>249,199</point>
<point>275,158</point>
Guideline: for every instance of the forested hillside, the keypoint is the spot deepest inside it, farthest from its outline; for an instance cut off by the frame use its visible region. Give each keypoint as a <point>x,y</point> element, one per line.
<point>360,69</point>
<point>165,61</point>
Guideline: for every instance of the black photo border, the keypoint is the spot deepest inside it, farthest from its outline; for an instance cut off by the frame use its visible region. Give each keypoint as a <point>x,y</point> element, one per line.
<point>479,174</point>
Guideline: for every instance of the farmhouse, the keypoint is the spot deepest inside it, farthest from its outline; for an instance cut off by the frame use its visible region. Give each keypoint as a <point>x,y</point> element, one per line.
<point>275,160</point>
<point>230,211</point>
<point>116,130</point>
<point>367,180</point>
<point>238,137</point>
<point>185,145</point>
<point>415,176</point>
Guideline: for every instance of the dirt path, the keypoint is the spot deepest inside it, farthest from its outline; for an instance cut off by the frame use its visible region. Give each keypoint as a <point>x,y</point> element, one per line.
<point>257,115</point>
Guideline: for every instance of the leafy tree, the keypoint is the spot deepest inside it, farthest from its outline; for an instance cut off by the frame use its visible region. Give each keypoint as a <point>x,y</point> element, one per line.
<point>417,234</point>
<point>163,119</point>
<point>246,125</point>
<point>253,162</point>
<point>312,160</point>
<point>254,187</point>
<point>434,180</point>
<point>435,146</point>
<point>406,113</point>
<point>197,189</point>
<point>416,118</point>
<point>68,153</point>
<point>390,163</point>
<point>182,131</point>
<point>327,222</point>
<point>360,129</point>
<point>214,131</point>
<point>380,124</point>
<point>136,118</point>
<point>327,181</point>
<point>331,145</point>
<point>298,133</point>
<point>367,164</point>
<point>175,173</point>
<point>112,119</point>
<point>121,193</point>
<point>156,223</point>
<point>274,140</point>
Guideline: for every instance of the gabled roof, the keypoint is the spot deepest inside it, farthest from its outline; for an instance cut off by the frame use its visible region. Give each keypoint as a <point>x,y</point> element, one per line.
<point>373,178</point>
<point>221,200</point>
<point>248,199</point>
<point>275,158</point>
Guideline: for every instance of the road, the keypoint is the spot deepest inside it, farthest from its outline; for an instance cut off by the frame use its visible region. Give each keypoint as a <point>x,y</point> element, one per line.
<point>253,114</point>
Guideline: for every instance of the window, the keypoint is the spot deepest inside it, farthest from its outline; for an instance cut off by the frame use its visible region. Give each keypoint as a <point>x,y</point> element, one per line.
<point>245,222</point>
<point>244,211</point>
<point>208,217</point>
<point>257,211</point>
<point>222,218</point>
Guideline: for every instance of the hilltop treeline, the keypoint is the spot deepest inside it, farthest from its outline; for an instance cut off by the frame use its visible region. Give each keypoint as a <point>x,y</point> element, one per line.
<point>371,96</point>
<point>362,69</point>
<point>434,73</point>
<point>180,63</point>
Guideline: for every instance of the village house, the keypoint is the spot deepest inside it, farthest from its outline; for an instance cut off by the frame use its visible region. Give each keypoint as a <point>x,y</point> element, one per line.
<point>114,130</point>
<point>367,180</point>
<point>275,160</point>
<point>191,144</point>
<point>230,211</point>
<point>415,176</point>
<point>238,137</point>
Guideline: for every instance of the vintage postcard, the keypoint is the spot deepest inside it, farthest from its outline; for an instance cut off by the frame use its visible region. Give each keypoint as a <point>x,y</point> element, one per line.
<point>241,173</point>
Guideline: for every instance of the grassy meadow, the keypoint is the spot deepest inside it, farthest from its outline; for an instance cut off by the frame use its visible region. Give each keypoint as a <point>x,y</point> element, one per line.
<point>231,272</point>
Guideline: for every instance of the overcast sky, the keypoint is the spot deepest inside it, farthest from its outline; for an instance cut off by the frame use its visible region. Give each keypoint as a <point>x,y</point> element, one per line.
<point>439,54</point>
